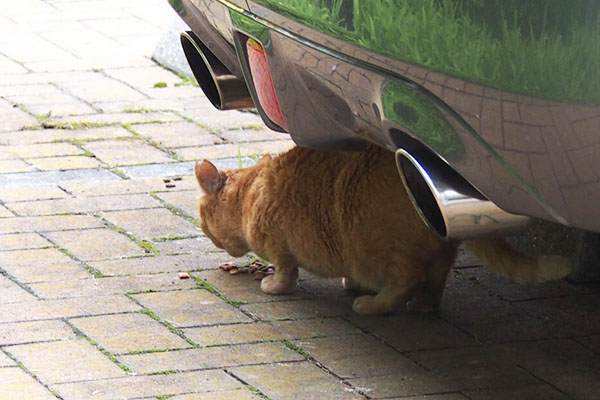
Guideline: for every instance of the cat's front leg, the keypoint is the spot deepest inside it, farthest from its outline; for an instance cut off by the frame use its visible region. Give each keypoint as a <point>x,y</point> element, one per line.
<point>284,280</point>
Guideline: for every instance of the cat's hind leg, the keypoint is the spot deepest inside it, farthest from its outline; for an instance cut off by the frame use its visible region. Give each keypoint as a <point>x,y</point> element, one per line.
<point>285,278</point>
<point>392,296</point>
<point>429,294</point>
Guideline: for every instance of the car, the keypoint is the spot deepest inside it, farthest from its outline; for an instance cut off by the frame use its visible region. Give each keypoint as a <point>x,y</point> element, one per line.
<point>491,107</point>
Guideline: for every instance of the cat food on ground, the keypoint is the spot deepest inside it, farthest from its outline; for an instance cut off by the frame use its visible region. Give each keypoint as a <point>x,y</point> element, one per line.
<point>257,268</point>
<point>183,275</point>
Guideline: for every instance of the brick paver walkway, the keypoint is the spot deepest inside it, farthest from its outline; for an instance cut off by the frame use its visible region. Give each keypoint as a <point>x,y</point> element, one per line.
<point>98,217</point>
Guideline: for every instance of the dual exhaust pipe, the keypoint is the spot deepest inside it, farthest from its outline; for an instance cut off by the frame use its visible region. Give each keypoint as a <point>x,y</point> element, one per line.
<point>450,205</point>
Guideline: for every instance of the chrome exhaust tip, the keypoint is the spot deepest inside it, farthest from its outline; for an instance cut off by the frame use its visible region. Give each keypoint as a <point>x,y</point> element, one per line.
<point>450,205</point>
<point>224,90</point>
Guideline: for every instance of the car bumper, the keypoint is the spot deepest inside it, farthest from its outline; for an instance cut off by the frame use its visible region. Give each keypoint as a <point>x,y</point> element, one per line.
<point>529,156</point>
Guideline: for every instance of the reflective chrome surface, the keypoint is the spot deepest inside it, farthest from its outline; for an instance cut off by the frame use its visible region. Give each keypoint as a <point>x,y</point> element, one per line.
<point>448,204</point>
<point>224,90</point>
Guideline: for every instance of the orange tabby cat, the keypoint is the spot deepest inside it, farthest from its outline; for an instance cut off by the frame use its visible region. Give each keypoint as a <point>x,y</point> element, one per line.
<point>344,214</point>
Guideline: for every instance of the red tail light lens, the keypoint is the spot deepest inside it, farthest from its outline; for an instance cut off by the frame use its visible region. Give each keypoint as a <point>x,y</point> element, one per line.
<point>261,76</point>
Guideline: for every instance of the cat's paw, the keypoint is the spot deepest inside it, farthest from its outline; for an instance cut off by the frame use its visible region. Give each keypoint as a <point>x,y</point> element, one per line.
<point>367,305</point>
<point>273,284</point>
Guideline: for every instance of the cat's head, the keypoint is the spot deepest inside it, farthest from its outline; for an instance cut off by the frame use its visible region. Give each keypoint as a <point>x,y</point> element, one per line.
<point>220,208</point>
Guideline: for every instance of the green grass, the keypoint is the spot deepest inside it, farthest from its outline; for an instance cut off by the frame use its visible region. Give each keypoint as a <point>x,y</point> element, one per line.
<point>444,36</point>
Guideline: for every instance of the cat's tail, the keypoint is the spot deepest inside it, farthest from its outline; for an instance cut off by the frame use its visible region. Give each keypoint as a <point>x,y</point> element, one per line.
<point>499,256</point>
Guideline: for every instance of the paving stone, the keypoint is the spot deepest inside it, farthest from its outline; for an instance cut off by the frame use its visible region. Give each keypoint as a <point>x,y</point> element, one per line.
<point>162,264</point>
<point>491,367</point>
<point>33,273</point>
<point>210,357</point>
<point>121,118</point>
<point>65,361</point>
<point>144,77</point>
<point>577,312</point>
<point>254,149</point>
<point>14,119</point>
<point>96,244</point>
<point>4,212</point>
<point>57,177</point>
<point>297,309</point>
<point>191,308</point>
<point>522,329</point>
<point>110,285</point>
<point>16,384</point>
<point>82,41</point>
<point>240,394</point>
<point>159,170</point>
<point>309,381</point>
<point>89,63</point>
<point>591,342</point>
<point>206,114</point>
<point>101,88</point>
<point>467,304</point>
<point>120,187</point>
<point>164,223</point>
<point>188,201</point>
<point>61,163</point>
<point>37,94</point>
<point>65,308</point>
<point>450,396</point>
<point>48,223</point>
<point>213,152</point>
<point>8,66</point>
<point>61,109</point>
<point>15,166</point>
<point>20,241</point>
<point>358,356</point>
<point>146,265</point>
<point>36,331</point>
<point>84,204</point>
<point>196,245</point>
<point>513,291</point>
<point>148,386</point>
<point>36,51</point>
<point>414,331</point>
<point>253,135</point>
<point>28,193</point>
<point>34,257</point>
<point>6,361</point>
<point>53,135</point>
<point>533,392</point>
<point>420,385</point>
<point>124,333</point>
<point>177,134</point>
<point>10,292</point>
<point>45,150</point>
<point>261,331</point>
<point>127,152</point>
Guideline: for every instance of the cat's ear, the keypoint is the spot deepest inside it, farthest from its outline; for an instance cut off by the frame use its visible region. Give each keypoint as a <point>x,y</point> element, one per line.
<point>208,177</point>
<point>265,159</point>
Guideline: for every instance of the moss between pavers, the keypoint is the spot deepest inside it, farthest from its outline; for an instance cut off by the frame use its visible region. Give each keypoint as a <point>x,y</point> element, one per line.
<point>205,285</point>
<point>175,210</point>
<point>166,324</point>
<point>112,357</point>
<point>95,273</point>
<point>144,244</point>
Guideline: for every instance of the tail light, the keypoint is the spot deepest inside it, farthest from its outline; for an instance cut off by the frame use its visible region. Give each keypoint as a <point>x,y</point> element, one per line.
<point>263,83</point>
